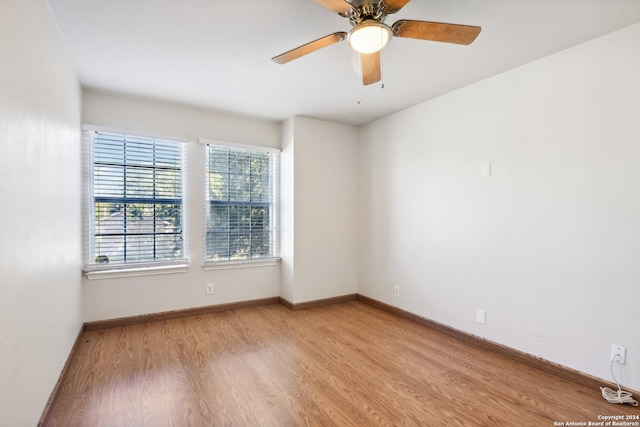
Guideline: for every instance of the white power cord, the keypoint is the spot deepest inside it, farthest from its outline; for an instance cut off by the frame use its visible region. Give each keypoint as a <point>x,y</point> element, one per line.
<point>617,396</point>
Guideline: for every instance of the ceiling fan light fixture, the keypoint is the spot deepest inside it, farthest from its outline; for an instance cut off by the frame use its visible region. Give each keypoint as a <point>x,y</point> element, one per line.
<point>369,36</point>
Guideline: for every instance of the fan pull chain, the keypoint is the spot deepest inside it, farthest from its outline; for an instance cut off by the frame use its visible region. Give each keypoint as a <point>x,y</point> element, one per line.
<point>382,69</point>
<point>359,80</point>
<point>359,84</point>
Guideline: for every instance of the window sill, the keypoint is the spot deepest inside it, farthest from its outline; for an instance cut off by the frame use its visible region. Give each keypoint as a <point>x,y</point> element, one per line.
<point>248,263</point>
<point>116,273</point>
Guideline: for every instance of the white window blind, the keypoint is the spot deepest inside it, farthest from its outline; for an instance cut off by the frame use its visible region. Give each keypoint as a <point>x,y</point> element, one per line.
<point>133,213</point>
<point>241,204</point>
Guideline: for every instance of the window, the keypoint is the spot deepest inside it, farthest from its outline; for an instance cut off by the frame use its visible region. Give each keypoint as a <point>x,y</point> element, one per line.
<point>241,192</point>
<point>134,210</point>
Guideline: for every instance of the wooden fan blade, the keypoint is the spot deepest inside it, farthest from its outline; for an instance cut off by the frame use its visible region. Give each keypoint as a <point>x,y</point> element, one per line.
<point>310,47</point>
<point>340,7</point>
<point>392,6</point>
<point>436,31</point>
<point>370,67</point>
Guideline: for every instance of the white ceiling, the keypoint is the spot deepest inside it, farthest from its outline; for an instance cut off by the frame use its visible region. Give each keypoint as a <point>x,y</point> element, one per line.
<point>217,54</point>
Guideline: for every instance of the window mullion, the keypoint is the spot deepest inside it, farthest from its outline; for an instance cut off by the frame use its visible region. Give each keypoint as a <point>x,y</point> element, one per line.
<point>250,189</point>
<point>125,205</point>
<point>229,204</point>
<point>154,197</point>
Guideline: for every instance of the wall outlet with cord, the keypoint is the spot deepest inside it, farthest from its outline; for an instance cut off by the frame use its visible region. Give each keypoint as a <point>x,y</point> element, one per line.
<point>618,354</point>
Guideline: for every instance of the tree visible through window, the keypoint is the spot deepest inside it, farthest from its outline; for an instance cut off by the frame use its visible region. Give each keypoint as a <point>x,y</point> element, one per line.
<point>137,199</point>
<point>240,204</point>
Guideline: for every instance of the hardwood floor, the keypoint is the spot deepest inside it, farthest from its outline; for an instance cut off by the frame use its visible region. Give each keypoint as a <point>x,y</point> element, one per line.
<point>340,365</point>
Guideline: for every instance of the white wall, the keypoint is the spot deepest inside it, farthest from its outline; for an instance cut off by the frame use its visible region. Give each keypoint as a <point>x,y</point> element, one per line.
<point>549,244</point>
<point>115,298</point>
<point>40,243</point>
<point>319,257</point>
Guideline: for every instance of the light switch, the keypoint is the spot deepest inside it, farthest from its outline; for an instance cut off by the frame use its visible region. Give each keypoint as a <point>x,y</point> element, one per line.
<point>485,169</point>
<point>481,316</point>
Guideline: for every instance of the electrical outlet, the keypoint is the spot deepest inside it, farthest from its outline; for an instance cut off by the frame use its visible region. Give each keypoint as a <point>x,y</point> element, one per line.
<point>396,291</point>
<point>209,288</point>
<point>618,353</point>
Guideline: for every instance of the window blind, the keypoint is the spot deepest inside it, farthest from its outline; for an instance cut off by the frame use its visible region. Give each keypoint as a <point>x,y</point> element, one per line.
<point>134,212</point>
<point>241,204</point>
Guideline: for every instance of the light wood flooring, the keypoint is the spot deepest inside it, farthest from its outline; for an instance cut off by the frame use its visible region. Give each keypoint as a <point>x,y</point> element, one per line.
<point>346,364</point>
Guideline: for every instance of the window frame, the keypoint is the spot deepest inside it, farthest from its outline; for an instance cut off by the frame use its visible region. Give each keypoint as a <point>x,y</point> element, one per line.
<point>273,203</point>
<point>93,270</point>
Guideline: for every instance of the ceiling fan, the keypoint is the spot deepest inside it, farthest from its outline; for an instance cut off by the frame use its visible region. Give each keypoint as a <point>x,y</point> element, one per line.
<point>370,34</point>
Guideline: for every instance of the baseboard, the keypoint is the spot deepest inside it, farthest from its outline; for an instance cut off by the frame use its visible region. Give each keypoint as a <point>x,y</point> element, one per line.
<point>176,314</point>
<point>318,303</point>
<point>508,352</point>
<point>46,413</point>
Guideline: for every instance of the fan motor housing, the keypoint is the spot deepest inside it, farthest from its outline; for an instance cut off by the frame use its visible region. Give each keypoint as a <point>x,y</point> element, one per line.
<point>363,10</point>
